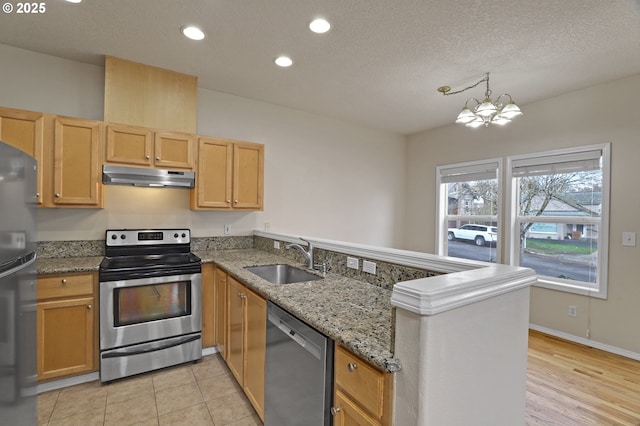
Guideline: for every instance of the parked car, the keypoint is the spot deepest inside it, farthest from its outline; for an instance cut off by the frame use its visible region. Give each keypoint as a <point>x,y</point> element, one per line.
<point>479,234</point>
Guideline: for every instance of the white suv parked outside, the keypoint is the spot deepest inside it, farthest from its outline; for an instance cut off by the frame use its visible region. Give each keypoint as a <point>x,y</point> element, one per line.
<point>479,234</point>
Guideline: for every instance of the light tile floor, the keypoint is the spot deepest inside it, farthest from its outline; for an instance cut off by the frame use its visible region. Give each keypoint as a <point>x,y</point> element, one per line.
<point>192,394</point>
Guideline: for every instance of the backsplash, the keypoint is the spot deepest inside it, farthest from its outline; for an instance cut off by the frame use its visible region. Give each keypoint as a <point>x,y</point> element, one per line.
<point>80,248</point>
<point>87,248</point>
<point>387,274</point>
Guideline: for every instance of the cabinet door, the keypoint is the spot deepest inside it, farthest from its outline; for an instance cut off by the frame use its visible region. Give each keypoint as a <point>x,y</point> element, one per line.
<point>256,344</point>
<point>346,413</point>
<point>213,175</point>
<point>174,150</point>
<point>221,312</point>
<point>77,178</point>
<point>208,295</point>
<point>25,130</point>
<point>129,145</point>
<point>235,328</point>
<point>248,176</point>
<point>65,333</point>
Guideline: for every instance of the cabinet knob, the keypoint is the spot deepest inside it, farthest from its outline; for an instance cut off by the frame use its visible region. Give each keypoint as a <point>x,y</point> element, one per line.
<point>335,410</point>
<point>352,366</point>
<point>235,201</point>
<point>64,281</point>
<point>37,195</point>
<point>89,307</point>
<point>228,201</point>
<point>57,195</point>
<point>158,158</point>
<point>147,157</point>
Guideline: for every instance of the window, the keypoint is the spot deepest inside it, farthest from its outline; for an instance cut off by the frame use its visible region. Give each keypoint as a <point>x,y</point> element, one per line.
<point>468,206</point>
<point>558,217</point>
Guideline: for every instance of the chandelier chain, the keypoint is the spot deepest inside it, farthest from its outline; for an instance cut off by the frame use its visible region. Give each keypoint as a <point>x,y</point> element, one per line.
<point>486,78</point>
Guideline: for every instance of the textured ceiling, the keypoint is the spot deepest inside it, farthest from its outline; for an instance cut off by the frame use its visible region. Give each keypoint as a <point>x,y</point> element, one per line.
<point>380,64</point>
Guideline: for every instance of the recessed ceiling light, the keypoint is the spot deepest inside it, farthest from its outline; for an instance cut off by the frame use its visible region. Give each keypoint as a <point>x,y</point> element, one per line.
<point>74,1</point>
<point>194,33</point>
<point>283,61</point>
<point>319,26</point>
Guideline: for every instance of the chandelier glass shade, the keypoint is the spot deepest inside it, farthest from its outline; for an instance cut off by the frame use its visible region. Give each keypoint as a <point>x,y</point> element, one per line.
<point>476,113</point>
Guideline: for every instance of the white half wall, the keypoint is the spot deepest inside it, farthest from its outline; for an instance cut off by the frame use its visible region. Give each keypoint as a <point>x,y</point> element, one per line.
<point>323,177</point>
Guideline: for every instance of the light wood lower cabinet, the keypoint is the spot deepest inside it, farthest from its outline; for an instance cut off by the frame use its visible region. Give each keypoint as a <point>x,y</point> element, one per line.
<point>246,340</point>
<point>220,312</point>
<point>208,306</point>
<point>66,325</point>
<point>362,393</point>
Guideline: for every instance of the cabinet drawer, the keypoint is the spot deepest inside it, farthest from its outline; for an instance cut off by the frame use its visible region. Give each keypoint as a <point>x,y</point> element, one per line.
<point>358,379</point>
<point>50,287</point>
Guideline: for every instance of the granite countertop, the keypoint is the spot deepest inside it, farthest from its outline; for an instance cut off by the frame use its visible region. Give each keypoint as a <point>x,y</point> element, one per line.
<point>355,314</point>
<point>67,265</point>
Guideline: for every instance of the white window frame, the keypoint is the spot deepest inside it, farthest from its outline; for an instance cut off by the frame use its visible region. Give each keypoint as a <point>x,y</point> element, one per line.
<point>512,219</point>
<point>472,169</point>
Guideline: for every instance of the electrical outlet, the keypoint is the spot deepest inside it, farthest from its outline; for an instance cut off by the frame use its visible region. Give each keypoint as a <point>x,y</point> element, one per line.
<point>276,245</point>
<point>573,311</point>
<point>267,226</point>
<point>629,239</point>
<point>353,263</point>
<point>227,230</point>
<point>369,267</point>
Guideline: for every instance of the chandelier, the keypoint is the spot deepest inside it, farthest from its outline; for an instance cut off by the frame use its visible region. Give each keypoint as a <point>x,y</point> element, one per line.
<point>486,112</point>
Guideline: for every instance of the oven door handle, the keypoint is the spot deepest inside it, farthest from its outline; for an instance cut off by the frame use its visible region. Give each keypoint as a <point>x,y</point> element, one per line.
<point>152,347</point>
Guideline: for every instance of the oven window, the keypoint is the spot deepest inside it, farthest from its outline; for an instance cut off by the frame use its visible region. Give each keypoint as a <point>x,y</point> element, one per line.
<point>152,302</point>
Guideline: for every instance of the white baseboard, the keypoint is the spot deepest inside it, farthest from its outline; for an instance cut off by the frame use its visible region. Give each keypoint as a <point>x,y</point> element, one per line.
<point>76,380</point>
<point>587,342</point>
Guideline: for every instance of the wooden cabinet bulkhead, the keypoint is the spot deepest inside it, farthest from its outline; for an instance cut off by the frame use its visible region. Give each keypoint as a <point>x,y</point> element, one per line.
<point>144,147</point>
<point>66,325</point>
<point>246,340</point>
<point>362,393</point>
<point>25,130</point>
<point>229,176</point>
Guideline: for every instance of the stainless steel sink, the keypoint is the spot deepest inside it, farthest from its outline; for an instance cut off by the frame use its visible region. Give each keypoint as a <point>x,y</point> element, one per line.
<point>282,274</point>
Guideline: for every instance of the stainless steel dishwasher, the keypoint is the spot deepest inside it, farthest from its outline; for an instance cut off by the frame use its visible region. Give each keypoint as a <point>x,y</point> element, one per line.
<point>299,372</point>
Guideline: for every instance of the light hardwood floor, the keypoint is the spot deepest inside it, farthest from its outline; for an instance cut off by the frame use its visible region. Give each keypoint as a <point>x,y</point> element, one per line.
<point>572,384</point>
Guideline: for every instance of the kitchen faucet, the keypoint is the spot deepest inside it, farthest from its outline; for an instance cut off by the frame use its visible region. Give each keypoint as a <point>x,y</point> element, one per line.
<point>308,254</point>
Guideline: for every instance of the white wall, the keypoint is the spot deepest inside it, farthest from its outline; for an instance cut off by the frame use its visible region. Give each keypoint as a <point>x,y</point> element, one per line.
<point>599,114</point>
<point>323,178</point>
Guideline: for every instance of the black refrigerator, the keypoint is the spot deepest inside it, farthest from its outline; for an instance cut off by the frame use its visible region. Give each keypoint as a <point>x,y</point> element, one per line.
<point>18,371</point>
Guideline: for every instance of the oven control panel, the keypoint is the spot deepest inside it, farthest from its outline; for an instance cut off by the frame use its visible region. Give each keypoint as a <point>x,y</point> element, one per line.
<point>142,237</point>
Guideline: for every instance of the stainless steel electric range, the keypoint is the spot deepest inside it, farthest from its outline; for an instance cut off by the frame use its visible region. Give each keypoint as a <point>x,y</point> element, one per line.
<point>150,302</point>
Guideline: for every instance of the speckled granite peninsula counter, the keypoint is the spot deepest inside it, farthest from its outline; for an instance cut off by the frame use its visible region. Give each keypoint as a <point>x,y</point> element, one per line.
<point>355,314</point>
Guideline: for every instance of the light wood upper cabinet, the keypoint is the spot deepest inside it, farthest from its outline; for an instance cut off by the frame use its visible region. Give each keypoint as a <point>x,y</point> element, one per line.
<point>174,150</point>
<point>25,130</point>
<point>129,145</point>
<point>66,320</point>
<point>230,175</point>
<point>143,147</point>
<point>77,174</point>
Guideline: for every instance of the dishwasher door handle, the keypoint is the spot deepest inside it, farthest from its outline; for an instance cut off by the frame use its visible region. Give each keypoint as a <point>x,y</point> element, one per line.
<point>296,336</point>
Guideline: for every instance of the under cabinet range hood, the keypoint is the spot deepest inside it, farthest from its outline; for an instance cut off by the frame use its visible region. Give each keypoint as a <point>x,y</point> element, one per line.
<point>137,176</point>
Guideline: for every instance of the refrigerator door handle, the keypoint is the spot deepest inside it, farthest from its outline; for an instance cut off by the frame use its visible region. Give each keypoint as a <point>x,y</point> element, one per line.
<point>17,265</point>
